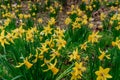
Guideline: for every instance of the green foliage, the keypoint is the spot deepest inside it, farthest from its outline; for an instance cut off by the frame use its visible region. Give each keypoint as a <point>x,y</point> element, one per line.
<point>39,50</point>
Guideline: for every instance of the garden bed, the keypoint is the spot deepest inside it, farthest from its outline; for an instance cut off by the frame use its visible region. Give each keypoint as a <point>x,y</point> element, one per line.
<point>60,40</point>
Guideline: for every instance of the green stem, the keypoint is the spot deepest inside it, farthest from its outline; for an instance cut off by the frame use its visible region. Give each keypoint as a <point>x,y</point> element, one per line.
<point>67,71</point>
<point>4,50</point>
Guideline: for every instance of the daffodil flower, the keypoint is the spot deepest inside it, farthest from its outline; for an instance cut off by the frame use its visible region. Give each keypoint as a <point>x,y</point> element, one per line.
<point>103,54</point>
<point>59,32</point>
<point>55,53</point>
<point>51,21</point>
<point>47,30</point>
<point>11,37</point>
<point>74,55</point>
<point>44,48</point>
<point>60,43</point>
<point>102,74</point>
<point>26,63</point>
<point>3,39</point>
<point>84,46</point>
<point>116,43</point>
<point>94,37</point>
<point>67,21</point>
<point>78,69</point>
<point>52,67</point>
<point>38,56</point>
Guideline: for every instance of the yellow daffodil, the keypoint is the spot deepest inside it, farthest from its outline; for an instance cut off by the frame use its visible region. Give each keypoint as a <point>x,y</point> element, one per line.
<point>103,54</point>
<point>51,21</point>
<point>91,25</point>
<point>1,27</point>
<point>30,34</point>
<point>20,16</point>
<point>29,37</point>
<point>118,27</point>
<point>59,32</point>
<point>18,32</point>
<point>84,22</point>
<point>37,56</point>
<point>26,63</point>
<point>7,21</point>
<point>84,46</point>
<point>48,61</point>
<point>3,39</point>
<point>56,4</point>
<point>94,37</point>
<point>52,10</point>
<point>26,16</point>
<point>78,19</point>
<point>50,43</point>
<point>67,21</point>
<point>86,58</point>
<point>74,55</point>
<point>116,43</point>
<point>10,37</point>
<point>102,74</point>
<point>40,20</point>
<point>79,12</point>
<point>47,30</point>
<point>52,67</point>
<point>77,71</point>
<point>4,7</point>
<point>102,16</point>
<point>55,53</point>
<point>43,48</point>
<point>76,25</point>
<point>60,43</point>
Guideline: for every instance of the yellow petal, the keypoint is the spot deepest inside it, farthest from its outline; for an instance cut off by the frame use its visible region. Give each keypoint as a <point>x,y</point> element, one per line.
<point>20,64</point>
<point>106,70</point>
<point>108,56</point>
<point>113,43</point>
<point>100,68</point>
<point>54,70</point>
<point>97,72</point>
<point>108,76</point>
<point>46,70</point>
<point>101,56</point>
<point>28,64</point>
<point>99,78</point>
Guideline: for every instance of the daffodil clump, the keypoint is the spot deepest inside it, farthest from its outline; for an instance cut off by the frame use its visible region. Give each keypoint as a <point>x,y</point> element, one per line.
<point>35,46</point>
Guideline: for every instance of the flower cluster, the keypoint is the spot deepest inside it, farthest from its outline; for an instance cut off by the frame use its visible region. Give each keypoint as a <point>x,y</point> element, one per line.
<point>36,44</point>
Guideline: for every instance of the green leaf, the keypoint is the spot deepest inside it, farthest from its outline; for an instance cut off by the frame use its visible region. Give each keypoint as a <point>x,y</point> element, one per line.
<point>15,78</point>
<point>66,72</point>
